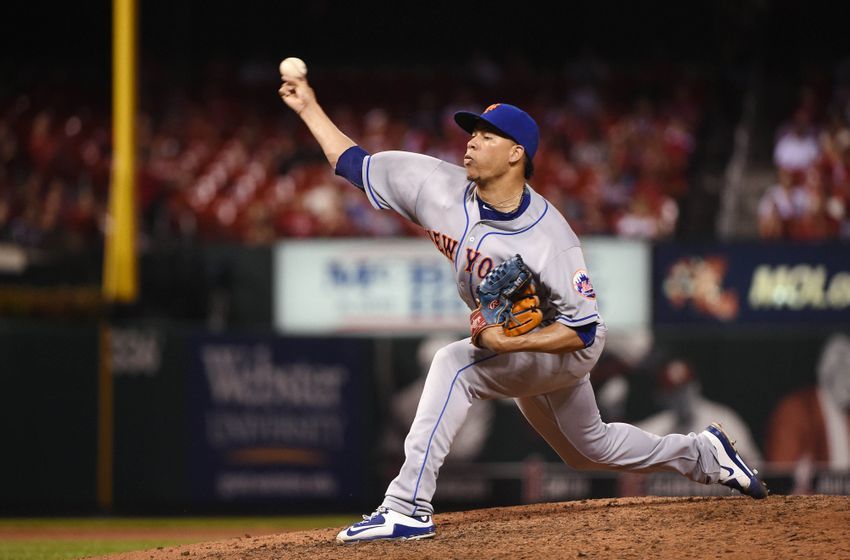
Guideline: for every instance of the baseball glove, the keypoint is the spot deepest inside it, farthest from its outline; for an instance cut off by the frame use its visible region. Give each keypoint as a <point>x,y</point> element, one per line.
<point>507,298</point>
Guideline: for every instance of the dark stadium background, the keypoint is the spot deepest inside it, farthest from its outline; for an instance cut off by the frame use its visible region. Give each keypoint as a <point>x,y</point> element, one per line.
<point>789,37</point>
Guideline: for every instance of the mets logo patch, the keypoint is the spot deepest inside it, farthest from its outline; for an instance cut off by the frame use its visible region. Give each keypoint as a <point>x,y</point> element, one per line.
<point>581,283</point>
<point>491,107</point>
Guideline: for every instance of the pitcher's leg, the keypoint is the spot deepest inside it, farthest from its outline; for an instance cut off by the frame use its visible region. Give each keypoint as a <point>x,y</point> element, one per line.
<point>442,408</point>
<point>570,422</point>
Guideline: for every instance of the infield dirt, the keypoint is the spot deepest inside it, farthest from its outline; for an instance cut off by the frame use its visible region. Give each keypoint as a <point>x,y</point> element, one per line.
<point>625,528</point>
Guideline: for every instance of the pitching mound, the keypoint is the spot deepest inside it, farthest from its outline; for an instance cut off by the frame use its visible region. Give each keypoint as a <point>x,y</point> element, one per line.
<point>727,527</point>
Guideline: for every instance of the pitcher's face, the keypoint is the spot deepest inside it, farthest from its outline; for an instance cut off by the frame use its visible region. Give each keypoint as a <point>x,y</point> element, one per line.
<point>490,155</point>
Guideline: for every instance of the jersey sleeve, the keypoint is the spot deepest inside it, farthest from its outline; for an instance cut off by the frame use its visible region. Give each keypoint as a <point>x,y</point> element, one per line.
<point>394,180</point>
<point>570,290</point>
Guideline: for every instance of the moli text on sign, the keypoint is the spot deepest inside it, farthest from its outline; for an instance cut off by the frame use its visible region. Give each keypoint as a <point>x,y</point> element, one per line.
<point>799,287</point>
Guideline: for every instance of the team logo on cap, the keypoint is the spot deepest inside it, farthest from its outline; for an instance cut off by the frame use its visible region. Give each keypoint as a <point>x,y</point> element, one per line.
<point>491,107</point>
<point>581,283</point>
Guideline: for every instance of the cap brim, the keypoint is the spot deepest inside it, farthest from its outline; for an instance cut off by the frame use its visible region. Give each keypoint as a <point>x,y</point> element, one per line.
<point>467,120</point>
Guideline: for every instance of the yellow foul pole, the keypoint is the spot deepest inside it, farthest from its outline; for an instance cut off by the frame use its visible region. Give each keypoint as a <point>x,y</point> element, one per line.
<point>120,282</point>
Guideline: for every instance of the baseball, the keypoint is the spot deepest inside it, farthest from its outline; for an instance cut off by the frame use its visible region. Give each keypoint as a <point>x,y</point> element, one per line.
<point>292,68</point>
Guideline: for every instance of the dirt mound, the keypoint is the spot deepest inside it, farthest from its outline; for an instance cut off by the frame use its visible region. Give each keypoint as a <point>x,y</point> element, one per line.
<point>725,527</point>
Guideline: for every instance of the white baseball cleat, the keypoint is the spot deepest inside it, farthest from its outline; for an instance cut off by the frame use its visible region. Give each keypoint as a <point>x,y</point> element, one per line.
<point>734,473</point>
<point>387,524</point>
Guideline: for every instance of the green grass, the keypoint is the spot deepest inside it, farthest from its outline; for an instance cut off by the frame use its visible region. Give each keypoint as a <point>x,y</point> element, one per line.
<point>65,549</point>
<point>67,546</point>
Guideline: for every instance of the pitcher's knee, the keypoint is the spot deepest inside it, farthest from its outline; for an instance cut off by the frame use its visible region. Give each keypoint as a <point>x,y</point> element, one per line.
<point>450,359</point>
<point>444,363</point>
<point>446,368</point>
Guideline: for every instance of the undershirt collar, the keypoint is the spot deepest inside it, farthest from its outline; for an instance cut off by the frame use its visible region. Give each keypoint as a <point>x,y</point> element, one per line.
<point>487,212</point>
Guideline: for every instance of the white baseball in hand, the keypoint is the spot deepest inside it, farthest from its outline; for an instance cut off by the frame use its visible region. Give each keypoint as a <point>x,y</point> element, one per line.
<point>292,67</point>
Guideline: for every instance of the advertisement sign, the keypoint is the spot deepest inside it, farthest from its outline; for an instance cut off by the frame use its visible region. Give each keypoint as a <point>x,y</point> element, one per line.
<point>276,419</point>
<point>385,286</point>
<point>405,286</point>
<point>775,284</point>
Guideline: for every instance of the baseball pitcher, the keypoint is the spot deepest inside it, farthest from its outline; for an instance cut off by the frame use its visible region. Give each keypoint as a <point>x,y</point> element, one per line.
<point>536,331</point>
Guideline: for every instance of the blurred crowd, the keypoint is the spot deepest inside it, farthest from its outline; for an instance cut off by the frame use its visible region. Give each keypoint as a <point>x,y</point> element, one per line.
<point>227,161</point>
<point>811,199</point>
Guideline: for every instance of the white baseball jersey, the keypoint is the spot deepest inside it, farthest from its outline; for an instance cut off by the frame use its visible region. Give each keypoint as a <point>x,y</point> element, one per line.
<point>437,196</point>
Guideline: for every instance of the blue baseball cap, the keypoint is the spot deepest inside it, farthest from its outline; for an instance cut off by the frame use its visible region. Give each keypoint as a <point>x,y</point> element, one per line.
<point>511,121</point>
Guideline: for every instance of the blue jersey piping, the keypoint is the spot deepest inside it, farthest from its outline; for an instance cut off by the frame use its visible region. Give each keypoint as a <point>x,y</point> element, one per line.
<point>369,188</point>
